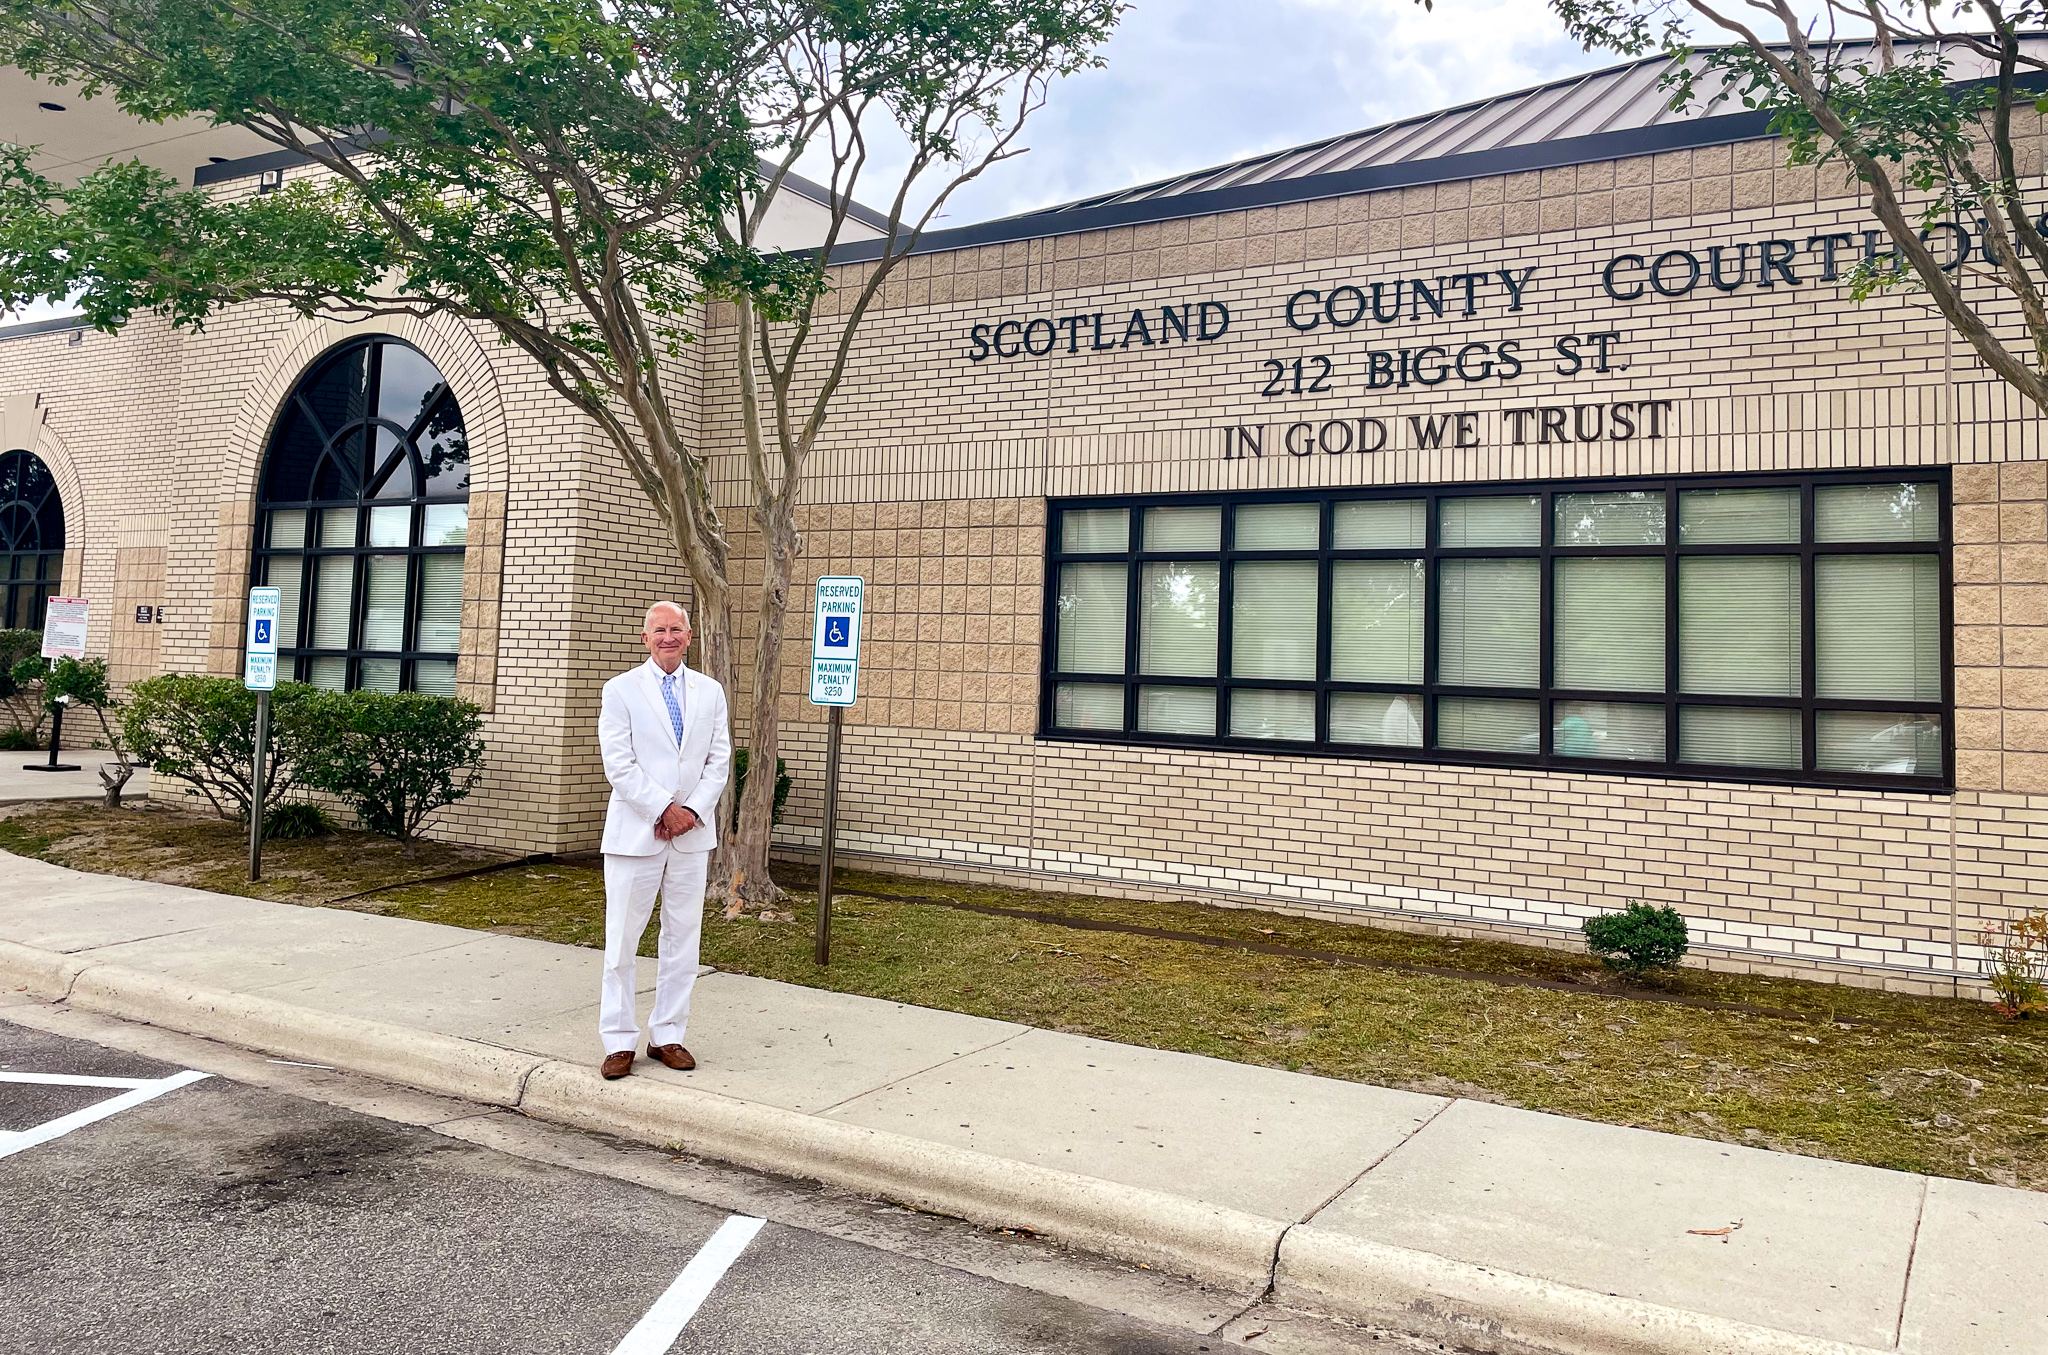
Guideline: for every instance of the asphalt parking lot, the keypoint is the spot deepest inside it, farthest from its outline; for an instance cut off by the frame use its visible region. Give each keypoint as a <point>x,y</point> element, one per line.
<point>219,1216</point>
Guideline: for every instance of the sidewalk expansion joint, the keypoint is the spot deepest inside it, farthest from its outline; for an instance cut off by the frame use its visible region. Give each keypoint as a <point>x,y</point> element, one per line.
<point>1366,1170</point>
<point>1912,1250</point>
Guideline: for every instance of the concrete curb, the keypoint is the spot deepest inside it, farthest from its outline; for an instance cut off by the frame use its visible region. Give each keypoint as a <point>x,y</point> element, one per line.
<point>1131,1223</point>
<point>1479,1308</point>
<point>416,1058</point>
<point>1310,1268</point>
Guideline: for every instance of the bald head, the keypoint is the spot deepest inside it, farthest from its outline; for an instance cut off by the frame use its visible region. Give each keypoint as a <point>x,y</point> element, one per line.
<point>666,633</point>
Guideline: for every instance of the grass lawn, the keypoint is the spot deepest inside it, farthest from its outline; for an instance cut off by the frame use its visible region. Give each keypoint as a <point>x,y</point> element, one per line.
<point>1917,1084</point>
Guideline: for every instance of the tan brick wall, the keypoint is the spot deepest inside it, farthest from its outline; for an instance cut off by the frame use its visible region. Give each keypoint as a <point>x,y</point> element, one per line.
<point>931,481</point>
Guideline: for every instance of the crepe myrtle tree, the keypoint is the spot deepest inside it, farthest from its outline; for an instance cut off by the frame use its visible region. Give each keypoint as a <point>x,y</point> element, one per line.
<point>1875,88</point>
<point>899,103</point>
<point>553,169</point>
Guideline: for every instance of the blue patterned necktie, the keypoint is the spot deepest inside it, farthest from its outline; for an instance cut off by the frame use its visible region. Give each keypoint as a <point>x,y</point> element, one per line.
<point>675,712</point>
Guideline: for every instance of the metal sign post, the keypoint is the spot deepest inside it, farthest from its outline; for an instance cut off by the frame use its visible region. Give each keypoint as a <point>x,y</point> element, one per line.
<point>835,678</point>
<point>259,675</point>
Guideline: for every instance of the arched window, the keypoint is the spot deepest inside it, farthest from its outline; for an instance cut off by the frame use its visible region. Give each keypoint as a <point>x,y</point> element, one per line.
<point>31,538</point>
<point>365,508</point>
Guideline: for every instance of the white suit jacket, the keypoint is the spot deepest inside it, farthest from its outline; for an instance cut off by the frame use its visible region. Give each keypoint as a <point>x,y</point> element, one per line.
<point>649,772</point>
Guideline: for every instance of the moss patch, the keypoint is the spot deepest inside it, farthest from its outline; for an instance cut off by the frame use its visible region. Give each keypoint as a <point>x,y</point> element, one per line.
<point>1916,1084</point>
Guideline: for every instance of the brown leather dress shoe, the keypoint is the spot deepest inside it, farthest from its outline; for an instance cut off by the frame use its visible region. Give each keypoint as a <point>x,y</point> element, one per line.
<point>672,1056</point>
<point>616,1066</point>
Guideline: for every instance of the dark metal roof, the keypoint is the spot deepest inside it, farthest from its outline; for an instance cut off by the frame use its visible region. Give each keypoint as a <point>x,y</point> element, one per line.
<point>1619,98</point>
<point>1607,114</point>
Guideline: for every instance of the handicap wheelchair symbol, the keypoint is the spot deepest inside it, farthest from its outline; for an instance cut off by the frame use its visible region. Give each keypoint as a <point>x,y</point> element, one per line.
<point>838,632</point>
<point>262,630</point>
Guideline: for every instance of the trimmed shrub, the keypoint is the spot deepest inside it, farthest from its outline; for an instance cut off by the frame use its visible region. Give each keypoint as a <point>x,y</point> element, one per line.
<point>202,731</point>
<point>13,740</point>
<point>392,757</point>
<point>296,820</point>
<point>739,786</point>
<point>21,698</point>
<point>2017,952</point>
<point>1637,939</point>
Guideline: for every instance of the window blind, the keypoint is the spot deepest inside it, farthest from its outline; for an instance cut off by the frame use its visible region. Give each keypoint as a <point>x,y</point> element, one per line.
<point>1090,615</point>
<point>1487,623</point>
<point>440,604</point>
<point>1183,529</point>
<point>1088,705</point>
<point>1277,526</point>
<point>1085,530</point>
<point>384,605</point>
<point>1877,627</point>
<point>1376,621</point>
<point>1273,619</point>
<point>1260,713</point>
<point>1376,717</point>
<point>1739,625</point>
<point>1738,736</point>
<point>1177,710</point>
<point>1737,517</point>
<point>1609,619</point>
<point>1177,631</point>
<point>1484,724</point>
<point>1901,512</point>
<point>1381,524</point>
<point>333,592</point>
<point>1508,521</point>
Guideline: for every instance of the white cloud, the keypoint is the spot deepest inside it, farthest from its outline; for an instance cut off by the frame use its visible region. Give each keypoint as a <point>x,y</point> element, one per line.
<point>1193,83</point>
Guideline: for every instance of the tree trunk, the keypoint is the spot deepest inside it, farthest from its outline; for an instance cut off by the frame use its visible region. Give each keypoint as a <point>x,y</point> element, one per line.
<point>114,776</point>
<point>754,889</point>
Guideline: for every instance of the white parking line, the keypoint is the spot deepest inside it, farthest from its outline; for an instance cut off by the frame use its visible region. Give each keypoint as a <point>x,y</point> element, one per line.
<point>657,1331</point>
<point>139,1092</point>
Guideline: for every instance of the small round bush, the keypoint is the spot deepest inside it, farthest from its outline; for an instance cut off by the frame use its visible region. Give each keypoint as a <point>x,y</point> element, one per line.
<point>296,820</point>
<point>18,741</point>
<point>1637,939</point>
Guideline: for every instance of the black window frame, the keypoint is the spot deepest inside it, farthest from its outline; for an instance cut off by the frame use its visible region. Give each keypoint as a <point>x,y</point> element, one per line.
<point>31,539</point>
<point>296,652</point>
<point>1546,694</point>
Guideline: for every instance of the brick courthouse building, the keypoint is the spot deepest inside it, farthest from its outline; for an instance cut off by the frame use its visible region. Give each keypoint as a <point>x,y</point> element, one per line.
<point>1468,523</point>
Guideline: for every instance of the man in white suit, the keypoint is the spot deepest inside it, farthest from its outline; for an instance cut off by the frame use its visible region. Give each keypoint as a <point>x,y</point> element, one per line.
<point>666,753</point>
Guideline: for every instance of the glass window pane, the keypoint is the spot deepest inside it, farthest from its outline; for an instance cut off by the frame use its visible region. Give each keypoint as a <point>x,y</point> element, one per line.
<point>435,677</point>
<point>328,674</point>
<point>1086,530</point>
<point>1090,615</point>
<point>1877,741</point>
<point>1610,624</point>
<point>1608,729</point>
<point>394,464</point>
<point>1877,513</point>
<point>1177,710</point>
<point>1484,724</point>
<point>337,527</point>
<point>286,573</point>
<point>1273,619</point>
<point>384,606</point>
<point>406,383</point>
<point>391,526</point>
<point>1177,629</point>
<point>1622,517</point>
<point>1487,622</point>
<point>1738,625</point>
<point>447,524</point>
<point>1376,717</point>
<point>1183,529</point>
<point>288,529</point>
<point>1256,714</point>
<point>1734,736</point>
<point>1088,705</point>
<point>1381,524</point>
<point>1277,526</point>
<point>1737,517</point>
<point>1508,521</point>
<point>379,675</point>
<point>444,449</point>
<point>334,591</point>
<point>1877,628</point>
<point>1376,621</point>
<point>440,604</point>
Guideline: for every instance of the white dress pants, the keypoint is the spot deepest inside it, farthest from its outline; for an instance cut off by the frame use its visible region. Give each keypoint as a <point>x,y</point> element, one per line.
<point>631,884</point>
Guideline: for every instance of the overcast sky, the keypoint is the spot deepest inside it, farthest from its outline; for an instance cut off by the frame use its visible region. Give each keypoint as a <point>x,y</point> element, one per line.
<point>1192,83</point>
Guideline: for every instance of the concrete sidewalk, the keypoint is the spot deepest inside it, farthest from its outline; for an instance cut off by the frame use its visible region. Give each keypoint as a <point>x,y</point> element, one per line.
<point>19,784</point>
<point>1494,1228</point>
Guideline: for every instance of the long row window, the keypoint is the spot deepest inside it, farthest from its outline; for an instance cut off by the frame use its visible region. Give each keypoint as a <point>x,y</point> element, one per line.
<point>1787,629</point>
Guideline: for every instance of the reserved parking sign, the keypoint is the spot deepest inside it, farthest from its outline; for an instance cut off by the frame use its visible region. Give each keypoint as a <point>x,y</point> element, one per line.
<point>835,641</point>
